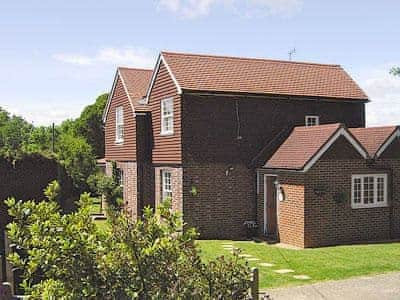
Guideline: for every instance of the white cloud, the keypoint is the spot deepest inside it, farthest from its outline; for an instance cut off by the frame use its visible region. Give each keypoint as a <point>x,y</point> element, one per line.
<point>248,8</point>
<point>44,116</point>
<point>384,91</point>
<point>134,57</point>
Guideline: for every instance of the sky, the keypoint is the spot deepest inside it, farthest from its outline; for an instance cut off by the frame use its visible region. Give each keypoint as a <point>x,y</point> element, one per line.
<point>57,56</point>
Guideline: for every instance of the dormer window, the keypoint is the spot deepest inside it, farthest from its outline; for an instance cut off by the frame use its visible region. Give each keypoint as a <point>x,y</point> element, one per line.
<point>119,124</point>
<point>167,116</point>
<point>312,120</point>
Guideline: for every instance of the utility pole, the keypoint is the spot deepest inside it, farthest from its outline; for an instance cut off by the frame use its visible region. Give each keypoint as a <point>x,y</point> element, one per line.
<point>52,137</point>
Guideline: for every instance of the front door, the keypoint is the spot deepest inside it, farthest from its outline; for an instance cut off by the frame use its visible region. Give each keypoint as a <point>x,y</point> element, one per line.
<point>270,206</point>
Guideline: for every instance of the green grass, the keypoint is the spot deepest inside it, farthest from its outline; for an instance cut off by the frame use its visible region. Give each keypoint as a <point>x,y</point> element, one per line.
<point>102,225</point>
<point>95,208</point>
<point>329,263</point>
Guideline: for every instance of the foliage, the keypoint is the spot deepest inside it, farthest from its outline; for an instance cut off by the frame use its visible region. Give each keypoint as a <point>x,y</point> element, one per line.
<point>395,71</point>
<point>108,187</point>
<point>76,155</point>
<point>40,140</point>
<point>65,256</point>
<point>14,133</point>
<point>90,125</point>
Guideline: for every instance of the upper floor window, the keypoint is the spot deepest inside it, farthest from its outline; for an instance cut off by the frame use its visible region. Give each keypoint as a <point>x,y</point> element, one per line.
<point>312,120</point>
<point>167,116</point>
<point>119,124</point>
<point>369,190</point>
<point>166,184</point>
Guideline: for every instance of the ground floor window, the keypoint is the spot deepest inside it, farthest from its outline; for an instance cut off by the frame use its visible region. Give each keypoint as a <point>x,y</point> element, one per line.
<point>119,174</point>
<point>369,190</point>
<point>166,185</point>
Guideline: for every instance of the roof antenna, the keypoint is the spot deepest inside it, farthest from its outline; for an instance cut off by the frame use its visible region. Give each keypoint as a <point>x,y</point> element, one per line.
<point>291,52</point>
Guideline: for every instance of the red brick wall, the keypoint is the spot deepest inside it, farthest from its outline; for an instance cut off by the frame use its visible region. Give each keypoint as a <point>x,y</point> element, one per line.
<point>224,199</point>
<point>130,186</point>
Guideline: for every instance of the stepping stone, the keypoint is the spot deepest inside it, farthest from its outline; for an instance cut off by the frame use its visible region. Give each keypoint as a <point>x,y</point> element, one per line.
<point>301,277</point>
<point>230,245</point>
<point>245,255</point>
<point>252,259</point>
<point>266,265</point>
<point>284,271</point>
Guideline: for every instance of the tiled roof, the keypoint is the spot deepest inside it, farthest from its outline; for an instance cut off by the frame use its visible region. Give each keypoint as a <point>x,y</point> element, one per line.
<point>301,146</point>
<point>261,76</point>
<point>136,82</point>
<point>373,138</point>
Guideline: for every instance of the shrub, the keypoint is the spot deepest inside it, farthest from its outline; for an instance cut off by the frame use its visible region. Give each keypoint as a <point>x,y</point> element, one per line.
<point>66,256</point>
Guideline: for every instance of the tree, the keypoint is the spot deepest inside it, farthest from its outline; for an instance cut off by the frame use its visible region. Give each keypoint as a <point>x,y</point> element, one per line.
<point>90,125</point>
<point>67,257</point>
<point>76,155</point>
<point>395,71</point>
<point>14,134</point>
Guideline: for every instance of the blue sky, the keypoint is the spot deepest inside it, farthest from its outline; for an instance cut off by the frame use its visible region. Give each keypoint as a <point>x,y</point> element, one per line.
<point>57,56</point>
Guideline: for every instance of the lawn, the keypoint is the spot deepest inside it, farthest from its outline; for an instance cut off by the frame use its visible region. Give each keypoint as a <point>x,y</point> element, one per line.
<point>329,263</point>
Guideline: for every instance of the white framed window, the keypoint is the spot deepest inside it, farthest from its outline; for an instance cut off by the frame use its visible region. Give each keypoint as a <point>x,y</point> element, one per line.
<point>119,124</point>
<point>166,185</point>
<point>167,116</point>
<point>312,120</point>
<point>368,190</point>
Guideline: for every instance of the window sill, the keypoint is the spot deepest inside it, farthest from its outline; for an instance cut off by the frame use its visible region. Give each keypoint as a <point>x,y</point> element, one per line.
<point>369,206</point>
<point>166,133</point>
<point>119,142</point>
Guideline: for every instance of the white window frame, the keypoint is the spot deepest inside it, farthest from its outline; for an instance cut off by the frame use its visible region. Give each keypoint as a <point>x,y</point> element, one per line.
<point>308,121</point>
<point>167,116</point>
<point>166,188</point>
<point>119,124</point>
<point>375,199</point>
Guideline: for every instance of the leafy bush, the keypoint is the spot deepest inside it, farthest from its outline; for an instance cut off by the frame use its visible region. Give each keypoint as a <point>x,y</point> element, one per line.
<point>66,256</point>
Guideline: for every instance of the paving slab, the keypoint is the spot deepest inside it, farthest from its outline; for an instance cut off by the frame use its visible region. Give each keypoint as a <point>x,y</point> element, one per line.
<point>301,277</point>
<point>378,287</point>
<point>283,271</point>
<point>245,255</point>
<point>266,264</point>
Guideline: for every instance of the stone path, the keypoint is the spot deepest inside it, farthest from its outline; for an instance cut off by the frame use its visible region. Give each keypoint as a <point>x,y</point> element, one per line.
<point>384,286</point>
<point>230,247</point>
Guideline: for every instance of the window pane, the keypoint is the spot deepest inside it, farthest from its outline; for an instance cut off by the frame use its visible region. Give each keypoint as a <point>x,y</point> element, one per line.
<point>368,190</point>
<point>357,190</point>
<point>380,189</point>
<point>166,185</point>
<point>167,111</point>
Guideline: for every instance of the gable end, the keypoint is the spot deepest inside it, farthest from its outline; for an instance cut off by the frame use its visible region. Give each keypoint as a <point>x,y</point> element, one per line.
<point>161,60</point>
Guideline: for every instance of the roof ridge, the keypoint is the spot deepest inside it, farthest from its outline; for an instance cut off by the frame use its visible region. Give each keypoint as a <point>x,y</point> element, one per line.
<point>254,58</point>
<point>319,126</point>
<point>376,127</point>
<point>136,69</point>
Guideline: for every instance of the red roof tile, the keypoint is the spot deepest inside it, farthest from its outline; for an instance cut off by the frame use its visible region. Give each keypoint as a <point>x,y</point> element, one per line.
<point>373,138</point>
<point>261,76</point>
<point>302,144</point>
<point>136,82</point>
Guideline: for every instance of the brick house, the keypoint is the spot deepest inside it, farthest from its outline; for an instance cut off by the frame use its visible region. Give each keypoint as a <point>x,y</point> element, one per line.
<point>199,129</point>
